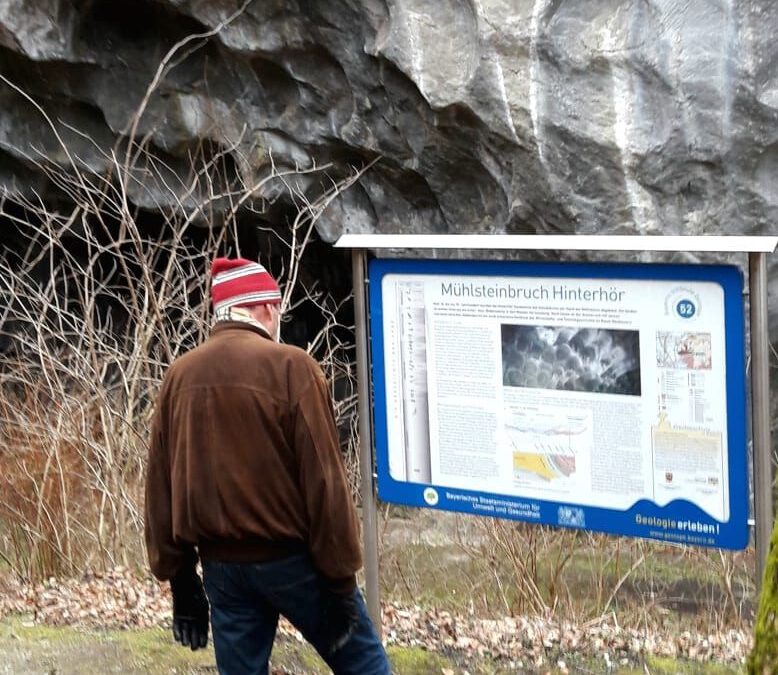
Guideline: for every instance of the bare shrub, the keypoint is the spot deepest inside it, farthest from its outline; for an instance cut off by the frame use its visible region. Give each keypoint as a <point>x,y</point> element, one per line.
<point>579,575</point>
<point>100,305</point>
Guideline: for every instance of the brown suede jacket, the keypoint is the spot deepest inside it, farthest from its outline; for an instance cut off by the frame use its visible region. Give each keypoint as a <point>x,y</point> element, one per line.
<point>244,460</point>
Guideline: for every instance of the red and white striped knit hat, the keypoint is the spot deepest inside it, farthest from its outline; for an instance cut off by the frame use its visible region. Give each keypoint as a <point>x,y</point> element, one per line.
<point>241,283</point>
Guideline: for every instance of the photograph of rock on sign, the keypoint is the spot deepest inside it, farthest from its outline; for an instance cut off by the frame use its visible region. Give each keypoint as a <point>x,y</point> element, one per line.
<point>245,474</point>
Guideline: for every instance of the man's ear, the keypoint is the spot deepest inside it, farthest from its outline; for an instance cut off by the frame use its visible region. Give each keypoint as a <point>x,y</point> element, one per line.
<point>263,314</point>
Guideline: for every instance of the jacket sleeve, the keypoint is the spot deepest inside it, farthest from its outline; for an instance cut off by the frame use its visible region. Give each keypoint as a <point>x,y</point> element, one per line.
<point>333,527</point>
<point>165,557</point>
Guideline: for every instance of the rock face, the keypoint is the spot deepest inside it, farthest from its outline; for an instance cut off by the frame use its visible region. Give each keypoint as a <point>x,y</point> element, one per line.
<point>504,116</point>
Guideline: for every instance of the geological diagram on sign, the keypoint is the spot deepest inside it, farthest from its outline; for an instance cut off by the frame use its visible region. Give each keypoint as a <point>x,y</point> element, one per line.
<point>545,445</point>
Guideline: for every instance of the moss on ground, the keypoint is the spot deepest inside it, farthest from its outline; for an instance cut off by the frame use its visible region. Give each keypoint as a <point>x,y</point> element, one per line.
<point>417,661</point>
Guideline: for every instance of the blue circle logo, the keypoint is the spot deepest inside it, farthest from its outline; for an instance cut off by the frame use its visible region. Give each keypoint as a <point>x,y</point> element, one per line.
<point>685,309</point>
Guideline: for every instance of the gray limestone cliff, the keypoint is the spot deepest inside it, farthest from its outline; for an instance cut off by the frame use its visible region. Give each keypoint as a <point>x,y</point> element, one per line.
<point>495,116</point>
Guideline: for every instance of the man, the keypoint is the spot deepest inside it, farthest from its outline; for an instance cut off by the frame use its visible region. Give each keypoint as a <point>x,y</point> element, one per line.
<point>245,470</point>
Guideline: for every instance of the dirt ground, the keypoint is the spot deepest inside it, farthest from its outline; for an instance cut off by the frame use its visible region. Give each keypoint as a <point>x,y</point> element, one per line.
<point>27,649</point>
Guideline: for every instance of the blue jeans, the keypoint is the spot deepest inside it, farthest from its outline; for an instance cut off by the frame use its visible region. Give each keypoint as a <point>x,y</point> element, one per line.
<point>246,601</point>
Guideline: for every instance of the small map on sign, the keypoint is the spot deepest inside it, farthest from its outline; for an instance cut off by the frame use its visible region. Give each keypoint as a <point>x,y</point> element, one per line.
<point>684,351</point>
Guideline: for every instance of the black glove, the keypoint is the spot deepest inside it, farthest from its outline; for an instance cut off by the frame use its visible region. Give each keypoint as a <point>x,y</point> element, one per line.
<point>340,616</point>
<point>190,609</point>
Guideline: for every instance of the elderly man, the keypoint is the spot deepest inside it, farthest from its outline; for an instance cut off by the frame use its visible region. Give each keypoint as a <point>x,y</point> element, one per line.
<point>245,470</point>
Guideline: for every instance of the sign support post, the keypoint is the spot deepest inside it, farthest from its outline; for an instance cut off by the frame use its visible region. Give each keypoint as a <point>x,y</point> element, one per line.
<point>760,416</point>
<point>369,505</point>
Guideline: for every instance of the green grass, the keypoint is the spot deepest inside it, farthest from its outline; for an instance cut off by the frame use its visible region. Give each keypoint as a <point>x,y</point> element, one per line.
<point>666,666</point>
<point>27,648</point>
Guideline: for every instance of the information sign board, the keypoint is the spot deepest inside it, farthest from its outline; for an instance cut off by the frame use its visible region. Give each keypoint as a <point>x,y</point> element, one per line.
<point>608,397</point>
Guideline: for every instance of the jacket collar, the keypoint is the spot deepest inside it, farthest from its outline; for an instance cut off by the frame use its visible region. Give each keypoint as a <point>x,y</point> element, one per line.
<point>222,326</point>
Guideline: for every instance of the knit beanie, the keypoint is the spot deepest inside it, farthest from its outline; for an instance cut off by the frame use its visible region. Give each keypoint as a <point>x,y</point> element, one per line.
<point>241,283</point>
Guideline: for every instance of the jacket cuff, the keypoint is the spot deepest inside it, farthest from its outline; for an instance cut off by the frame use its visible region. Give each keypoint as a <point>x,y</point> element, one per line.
<point>343,585</point>
<point>182,566</point>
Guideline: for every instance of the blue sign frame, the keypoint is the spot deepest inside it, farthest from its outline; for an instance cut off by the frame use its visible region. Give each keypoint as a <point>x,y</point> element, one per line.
<point>679,521</point>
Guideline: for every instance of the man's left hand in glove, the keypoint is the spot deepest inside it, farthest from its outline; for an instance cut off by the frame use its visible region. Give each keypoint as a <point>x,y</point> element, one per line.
<point>190,609</point>
<point>340,616</point>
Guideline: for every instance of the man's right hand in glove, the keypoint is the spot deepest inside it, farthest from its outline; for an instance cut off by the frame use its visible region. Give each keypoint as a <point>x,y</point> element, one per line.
<point>190,609</point>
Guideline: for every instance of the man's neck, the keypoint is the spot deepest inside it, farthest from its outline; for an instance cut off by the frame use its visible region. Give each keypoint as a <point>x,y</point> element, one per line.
<point>243,315</point>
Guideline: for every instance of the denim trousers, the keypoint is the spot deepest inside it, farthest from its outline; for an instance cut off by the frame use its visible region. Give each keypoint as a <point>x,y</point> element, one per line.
<point>246,601</point>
